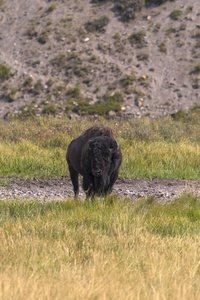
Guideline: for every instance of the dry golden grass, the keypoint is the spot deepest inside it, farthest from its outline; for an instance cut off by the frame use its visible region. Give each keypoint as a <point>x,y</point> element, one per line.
<point>102,250</point>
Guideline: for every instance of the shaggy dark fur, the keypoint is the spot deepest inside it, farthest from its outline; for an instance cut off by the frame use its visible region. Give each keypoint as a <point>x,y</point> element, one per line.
<point>97,157</point>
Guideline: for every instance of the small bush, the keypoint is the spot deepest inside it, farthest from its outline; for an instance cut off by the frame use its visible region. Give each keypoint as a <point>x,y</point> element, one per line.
<point>180,115</point>
<point>51,8</point>
<point>27,112</point>
<point>28,82</point>
<point>176,14</point>
<point>50,110</point>
<point>5,72</point>
<point>163,47</point>
<point>129,8</point>
<point>38,86</point>
<point>128,80</point>
<point>97,25</point>
<point>31,32</point>
<point>137,38</point>
<point>74,92</point>
<point>44,37</point>
<point>197,69</point>
<point>59,62</point>
<point>12,94</point>
<point>157,2</point>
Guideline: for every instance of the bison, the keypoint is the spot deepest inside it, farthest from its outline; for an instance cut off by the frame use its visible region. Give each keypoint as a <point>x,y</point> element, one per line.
<point>95,155</point>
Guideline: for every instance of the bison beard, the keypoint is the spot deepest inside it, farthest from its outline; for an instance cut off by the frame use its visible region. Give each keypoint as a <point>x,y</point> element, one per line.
<point>97,157</point>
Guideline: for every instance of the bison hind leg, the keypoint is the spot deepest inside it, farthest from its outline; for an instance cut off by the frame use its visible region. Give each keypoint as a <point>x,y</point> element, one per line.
<point>74,179</point>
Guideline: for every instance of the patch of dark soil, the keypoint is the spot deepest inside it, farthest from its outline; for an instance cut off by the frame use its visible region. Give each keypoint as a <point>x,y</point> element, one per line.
<point>61,188</point>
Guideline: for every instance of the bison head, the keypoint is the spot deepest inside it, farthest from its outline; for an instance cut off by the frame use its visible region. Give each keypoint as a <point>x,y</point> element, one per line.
<point>101,150</point>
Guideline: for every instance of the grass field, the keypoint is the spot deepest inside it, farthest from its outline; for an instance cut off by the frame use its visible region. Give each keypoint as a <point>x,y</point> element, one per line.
<point>108,249</point>
<point>164,148</point>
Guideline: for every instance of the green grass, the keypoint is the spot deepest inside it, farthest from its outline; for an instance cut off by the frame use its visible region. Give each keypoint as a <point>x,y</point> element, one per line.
<point>164,148</point>
<point>108,249</point>
<point>5,72</point>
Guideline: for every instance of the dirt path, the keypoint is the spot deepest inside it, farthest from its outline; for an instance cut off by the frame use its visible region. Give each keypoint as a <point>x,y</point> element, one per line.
<point>61,188</point>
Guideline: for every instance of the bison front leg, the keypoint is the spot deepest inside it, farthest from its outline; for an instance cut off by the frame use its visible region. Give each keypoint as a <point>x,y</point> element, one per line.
<point>87,185</point>
<point>113,179</point>
<point>74,179</point>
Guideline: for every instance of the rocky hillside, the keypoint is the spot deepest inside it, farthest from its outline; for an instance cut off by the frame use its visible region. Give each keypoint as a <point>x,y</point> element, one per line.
<point>75,57</point>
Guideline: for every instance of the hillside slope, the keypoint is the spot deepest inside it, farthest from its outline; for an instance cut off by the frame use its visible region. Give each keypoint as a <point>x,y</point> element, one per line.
<point>60,57</point>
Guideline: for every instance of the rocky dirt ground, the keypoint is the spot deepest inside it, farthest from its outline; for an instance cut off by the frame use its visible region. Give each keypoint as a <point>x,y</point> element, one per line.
<point>61,188</point>
<point>48,48</point>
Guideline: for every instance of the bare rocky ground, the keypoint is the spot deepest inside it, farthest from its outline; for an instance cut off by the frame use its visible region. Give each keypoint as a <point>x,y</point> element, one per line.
<point>61,188</point>
<point>49,50</point>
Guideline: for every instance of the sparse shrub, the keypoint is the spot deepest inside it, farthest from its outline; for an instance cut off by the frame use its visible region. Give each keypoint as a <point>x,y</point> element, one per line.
<point>197,69</point>
<point>176,14</point>
<point>101,107</point>
<point>189,9</point>
<point>180,115</point>
<point>28,82</point>
<point>50,83</point>
<point>95,59</point>
<point>27,111</point>
<point>117,37</point>
<point>49,22</point>
<point>31,32</point>
<point>12,94</point>
<point>129,8</point>
<point>128,80</point>
<point>163,47</point>
<point>97,25</point>
<point>75,65</point>
<point>197,44</point>
<point>38,86</point>
<point>137,38</point>
<point>44,37</point>
<point>5,72</point>
<point>157,27</point>
<point>195,81</point>
<point>50,110</point>
<point>59,62</point>
<point>57,91</point>
<point>51,8</point>
<point>74,92</point>
<point>196,35</point>
<point>158,2</point>
<point>183,26</point>
<point>169,31</point>
<point>80,71</point>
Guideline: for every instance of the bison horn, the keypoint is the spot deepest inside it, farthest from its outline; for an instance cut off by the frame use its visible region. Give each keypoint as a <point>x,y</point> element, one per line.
<point>114,147</point>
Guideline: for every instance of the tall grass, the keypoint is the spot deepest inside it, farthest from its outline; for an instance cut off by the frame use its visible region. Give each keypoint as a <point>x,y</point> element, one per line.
<point>163,148</point>
<point>108,249</point>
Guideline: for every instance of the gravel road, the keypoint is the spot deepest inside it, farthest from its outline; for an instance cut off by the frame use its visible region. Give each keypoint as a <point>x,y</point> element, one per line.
<point>61,188</point>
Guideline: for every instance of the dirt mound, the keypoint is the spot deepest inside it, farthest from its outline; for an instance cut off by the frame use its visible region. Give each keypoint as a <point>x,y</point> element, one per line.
<point>61,188</point>
<point>48,48</point>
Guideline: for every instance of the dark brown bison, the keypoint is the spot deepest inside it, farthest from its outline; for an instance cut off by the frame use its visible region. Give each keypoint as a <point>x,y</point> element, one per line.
<point>97,157</point>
